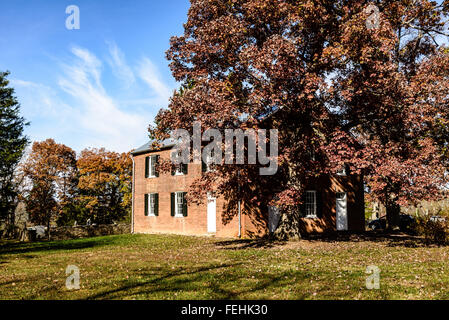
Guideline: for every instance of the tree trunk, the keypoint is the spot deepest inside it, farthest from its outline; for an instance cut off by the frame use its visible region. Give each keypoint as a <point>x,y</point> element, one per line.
<point>10,225</point>
<point>12,218</point>
<point>288,227</point>
<point>393,211</point>
<point>48,229</point>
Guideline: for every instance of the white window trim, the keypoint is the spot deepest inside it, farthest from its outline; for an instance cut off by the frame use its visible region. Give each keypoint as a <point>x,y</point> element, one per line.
<point>177,213</point>
<point>341,172</point>
<point>209,161</point>
<point>178,170</point>
<point>150,163</point>
<point>312,216</point>
<point>151,214</point>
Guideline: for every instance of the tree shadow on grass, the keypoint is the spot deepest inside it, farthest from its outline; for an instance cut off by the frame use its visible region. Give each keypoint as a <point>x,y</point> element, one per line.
<point>241,244</point>
<point>202,283</point>
<point>167,281</point>
<point>390,239</point>
<point>11,248</point>
<point>398,239</point>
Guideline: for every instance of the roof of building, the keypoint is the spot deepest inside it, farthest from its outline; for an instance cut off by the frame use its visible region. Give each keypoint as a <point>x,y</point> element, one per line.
<point>168,143</point>
<point>147,147</point>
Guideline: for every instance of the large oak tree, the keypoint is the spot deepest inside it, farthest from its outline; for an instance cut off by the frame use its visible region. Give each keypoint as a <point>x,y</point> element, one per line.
<point>373,99</point>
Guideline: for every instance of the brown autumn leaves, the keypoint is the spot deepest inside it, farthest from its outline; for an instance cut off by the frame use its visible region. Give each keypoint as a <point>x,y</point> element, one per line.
<point>58,185</point>
<point>375,100</point>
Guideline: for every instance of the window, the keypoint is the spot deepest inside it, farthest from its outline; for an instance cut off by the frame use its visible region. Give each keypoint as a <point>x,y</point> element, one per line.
<point>180,168</point>
<point>151,204</point>
<point>153,167</point>
<point>311,153</point>
<point>341,172</point>
<point>210,160</point>
<point>310,204</point>
<point>150,166</point>
<point>178,204</point>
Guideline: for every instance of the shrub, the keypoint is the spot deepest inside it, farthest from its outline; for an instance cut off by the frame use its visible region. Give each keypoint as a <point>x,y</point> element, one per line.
<point>435,229</point>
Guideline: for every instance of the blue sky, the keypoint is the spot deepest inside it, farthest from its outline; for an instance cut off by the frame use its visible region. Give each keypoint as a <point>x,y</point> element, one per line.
<point>99,86</point>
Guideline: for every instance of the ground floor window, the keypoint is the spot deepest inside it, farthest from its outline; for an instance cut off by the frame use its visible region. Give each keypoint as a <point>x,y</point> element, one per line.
<point>152,204</point>
<point>178,204</point>
<point>310,204</point>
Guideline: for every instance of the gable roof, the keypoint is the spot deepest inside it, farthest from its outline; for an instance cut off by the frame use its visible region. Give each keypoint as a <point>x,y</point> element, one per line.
<point>168,143</point>
<point>147,147</point>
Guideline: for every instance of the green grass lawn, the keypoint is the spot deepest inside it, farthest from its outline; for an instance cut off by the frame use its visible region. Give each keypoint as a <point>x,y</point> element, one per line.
<point>180,267</point>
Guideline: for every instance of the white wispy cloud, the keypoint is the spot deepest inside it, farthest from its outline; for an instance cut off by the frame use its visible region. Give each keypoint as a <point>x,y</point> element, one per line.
<point>40,100</point>
<point>80,112</point>
<point>110,126</point>
<point>119,66</point>
<point>148,72</point>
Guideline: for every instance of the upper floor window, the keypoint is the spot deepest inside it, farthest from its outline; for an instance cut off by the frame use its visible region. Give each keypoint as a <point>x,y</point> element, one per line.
<point>151,166</point>
<point>208,165</point>
<point>210,161</point>
<point>178,169</point>
<point>181,168</point>
<point>312,155</point>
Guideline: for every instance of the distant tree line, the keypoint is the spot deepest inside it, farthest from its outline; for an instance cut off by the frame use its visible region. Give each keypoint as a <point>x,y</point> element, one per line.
<point>60,186</point>
<point>55,184</point>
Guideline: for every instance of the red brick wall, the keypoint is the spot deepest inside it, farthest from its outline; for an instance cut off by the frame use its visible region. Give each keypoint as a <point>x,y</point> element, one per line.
<point>329,186</point>
<point>196,221</point>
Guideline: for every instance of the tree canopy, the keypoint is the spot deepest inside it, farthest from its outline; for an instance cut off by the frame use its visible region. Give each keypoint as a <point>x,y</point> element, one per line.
<point>50,173</point>
<point>104,187</point>
<point>372,99</point>
<point>63,187</point>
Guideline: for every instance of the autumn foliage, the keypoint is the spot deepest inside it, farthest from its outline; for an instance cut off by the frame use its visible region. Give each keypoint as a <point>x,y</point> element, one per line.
<point>372,99</point>
<point>50,170</point>
<point>105,184</point>
<point>62,187</point>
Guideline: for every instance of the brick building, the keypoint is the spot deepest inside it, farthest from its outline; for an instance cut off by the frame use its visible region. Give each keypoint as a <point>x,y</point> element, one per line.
<point>159,206</point>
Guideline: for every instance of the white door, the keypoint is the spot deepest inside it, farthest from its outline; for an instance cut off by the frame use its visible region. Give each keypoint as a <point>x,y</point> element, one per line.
<point>342,212</point>
<point>211,214</point>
